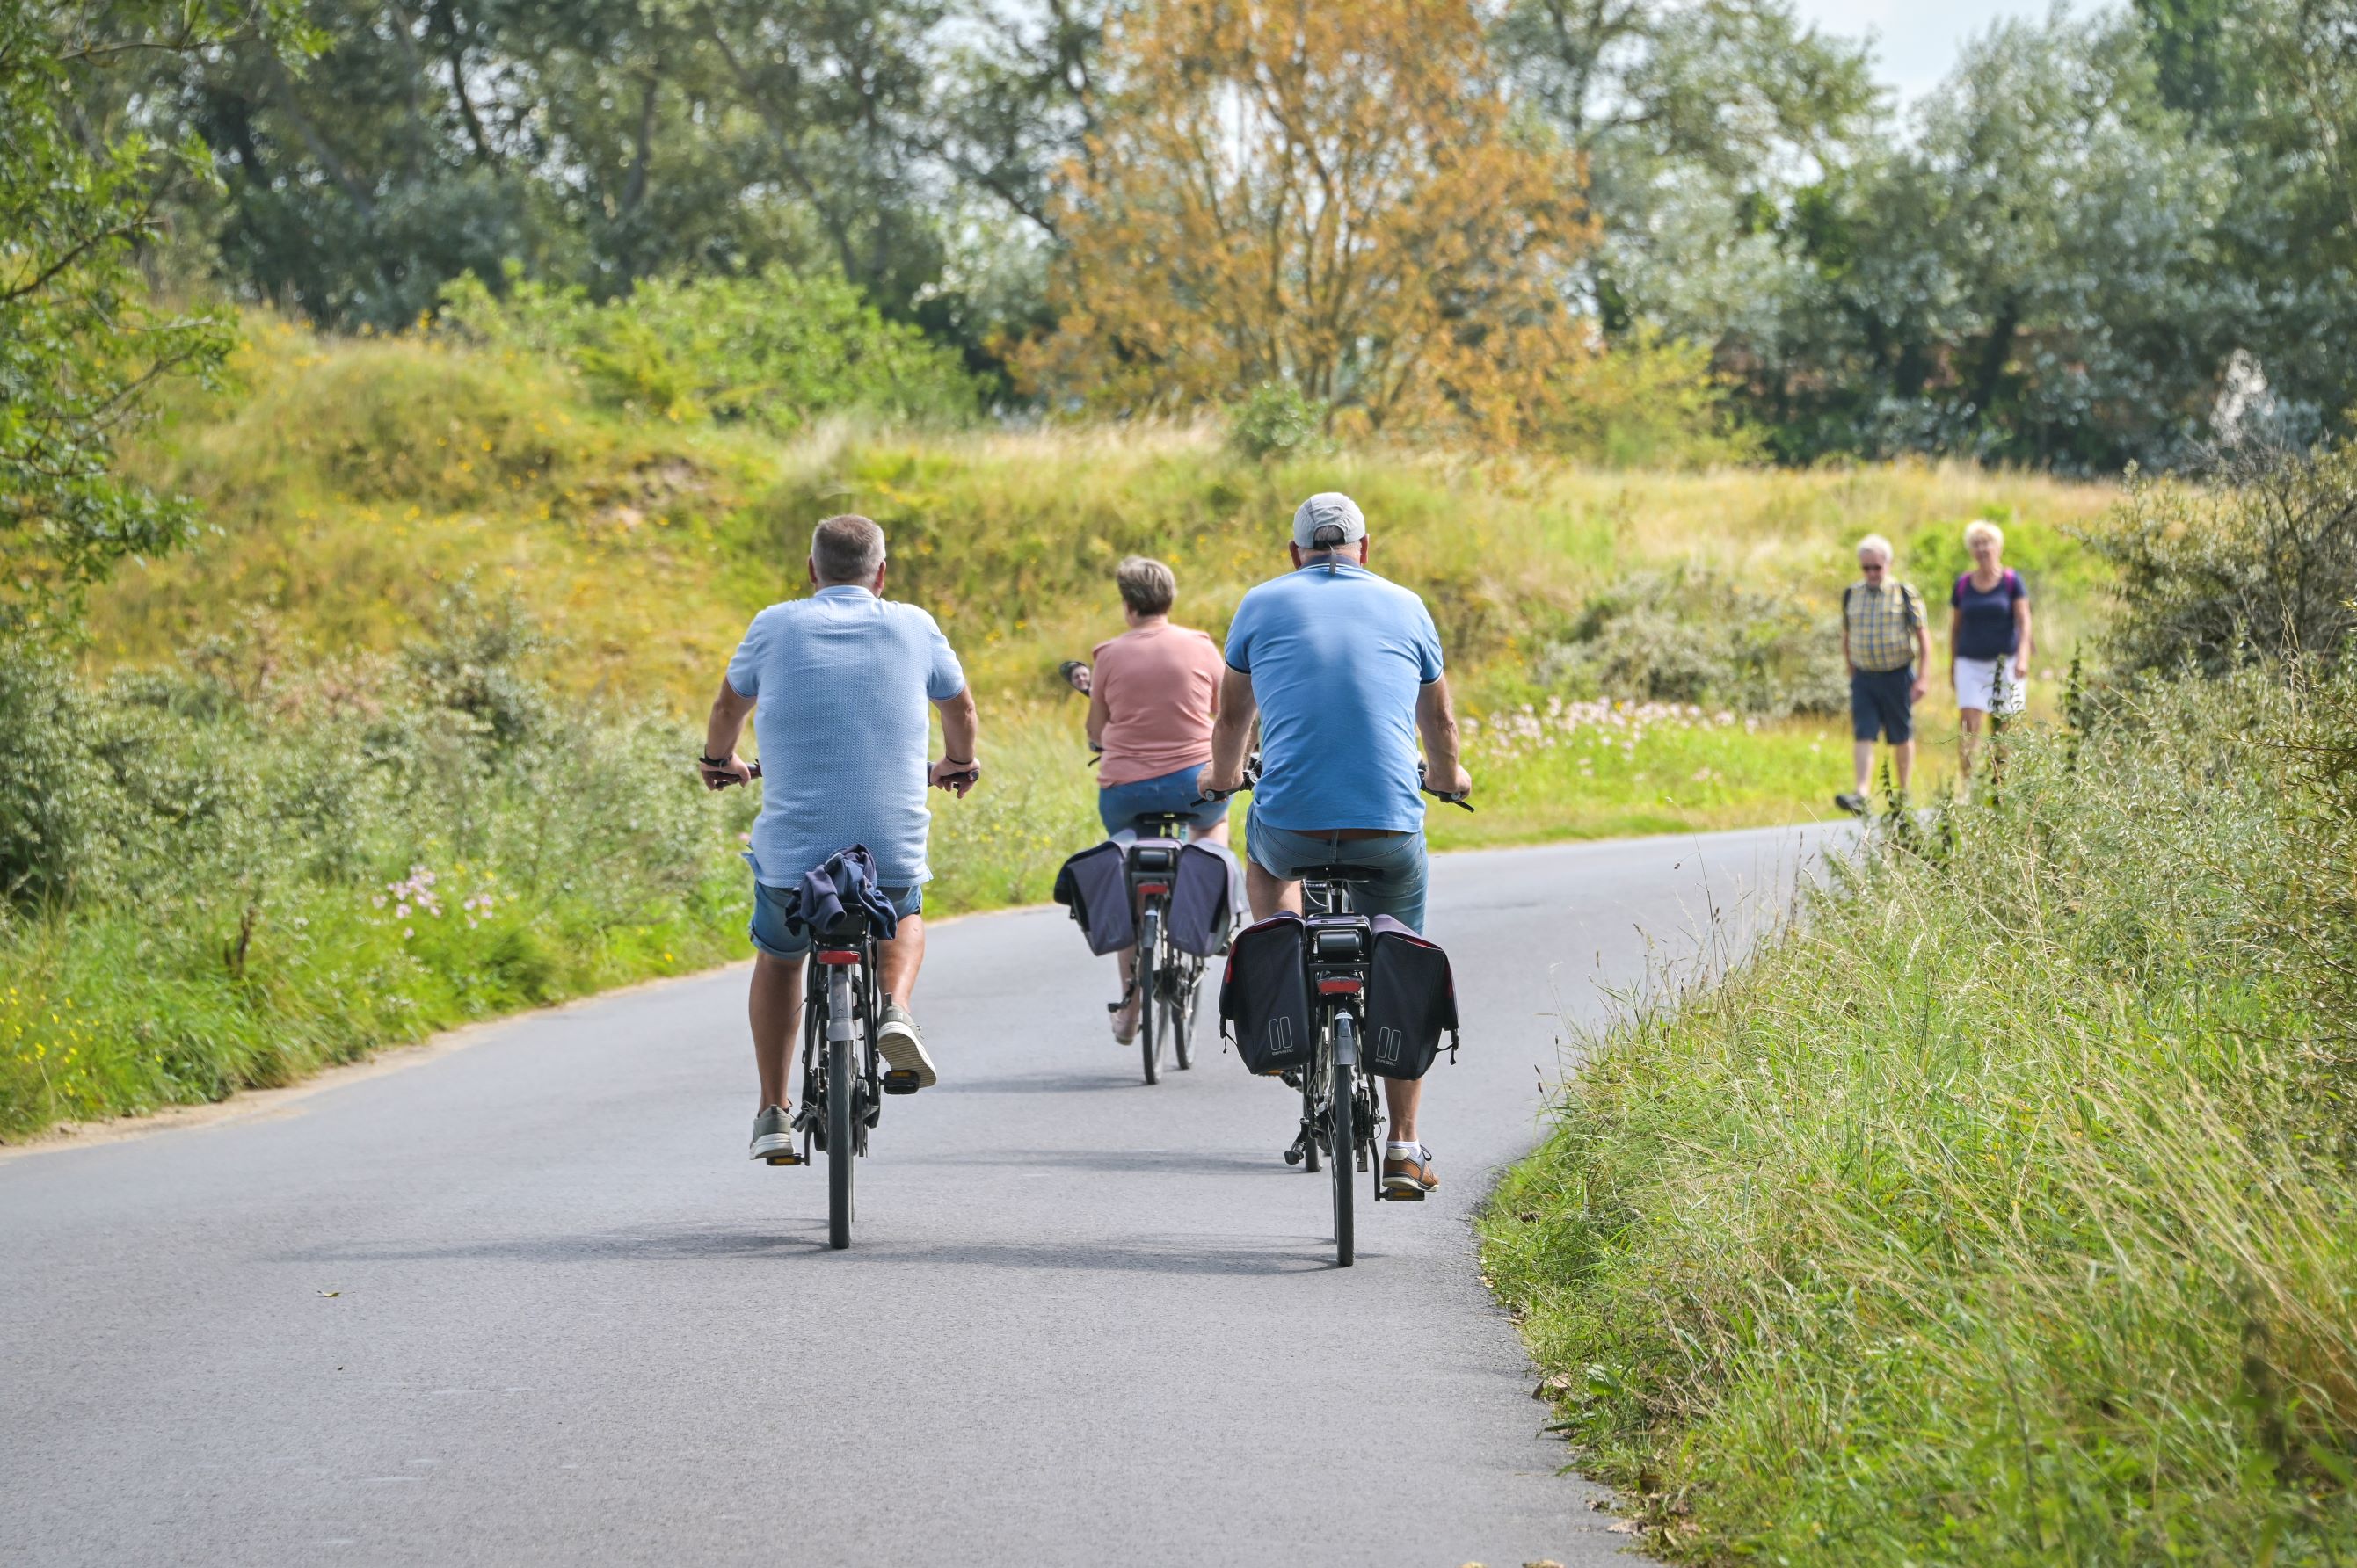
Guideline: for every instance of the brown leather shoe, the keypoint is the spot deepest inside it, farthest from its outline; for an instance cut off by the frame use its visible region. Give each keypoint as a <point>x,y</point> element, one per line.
<point>1408,1178</point>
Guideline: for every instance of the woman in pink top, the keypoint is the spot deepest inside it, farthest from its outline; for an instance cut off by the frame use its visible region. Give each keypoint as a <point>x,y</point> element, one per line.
<point>1152,697</point>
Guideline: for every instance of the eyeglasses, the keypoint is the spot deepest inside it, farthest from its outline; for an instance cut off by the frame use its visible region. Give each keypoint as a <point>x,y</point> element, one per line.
<point>1873,565</point>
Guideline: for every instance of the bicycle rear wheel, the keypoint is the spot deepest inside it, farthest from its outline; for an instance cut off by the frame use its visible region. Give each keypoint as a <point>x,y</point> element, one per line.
<point>1185,992</point>
<point>1147,976</point>
<point>840,1153</point>
<point>1340,1147</point>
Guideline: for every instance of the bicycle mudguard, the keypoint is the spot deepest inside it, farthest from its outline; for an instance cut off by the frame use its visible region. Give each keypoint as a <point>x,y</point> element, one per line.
<point>1411,1000</point>
<point>1094,885</point>
<point>1264,995</point>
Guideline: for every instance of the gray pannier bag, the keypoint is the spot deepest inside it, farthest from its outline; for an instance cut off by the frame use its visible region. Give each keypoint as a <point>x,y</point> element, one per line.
<point>1411,999</point>
<point>1094,885</point>
<point>1264,994</point>
<point>1202,899</point>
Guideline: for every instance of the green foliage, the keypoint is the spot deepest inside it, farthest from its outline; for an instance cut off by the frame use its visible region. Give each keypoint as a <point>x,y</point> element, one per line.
<point>2260,565</point>
<point>82,341</point>
<point>775,350</point>
<point>1649,402</point>
<point>1277,420</point>
<point>1696,637</point>
<point>1997,1211</point>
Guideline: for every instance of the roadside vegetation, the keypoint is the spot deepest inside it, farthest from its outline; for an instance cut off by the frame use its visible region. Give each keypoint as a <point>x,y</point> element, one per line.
<point>2002,1207</point>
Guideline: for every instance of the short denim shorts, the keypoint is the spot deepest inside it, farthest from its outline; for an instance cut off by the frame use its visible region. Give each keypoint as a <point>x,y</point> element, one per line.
<point>769,927</point>
<point>1398,891</point>
<point>1882,703</point>
<point>1120,805</point>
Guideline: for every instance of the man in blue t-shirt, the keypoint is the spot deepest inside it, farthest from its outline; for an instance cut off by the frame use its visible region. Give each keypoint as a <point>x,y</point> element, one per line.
<point>844,679</point>
<point>1343,670</point>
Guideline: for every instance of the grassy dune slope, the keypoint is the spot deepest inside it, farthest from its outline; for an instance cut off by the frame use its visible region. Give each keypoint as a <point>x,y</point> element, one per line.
<point>348,482</point>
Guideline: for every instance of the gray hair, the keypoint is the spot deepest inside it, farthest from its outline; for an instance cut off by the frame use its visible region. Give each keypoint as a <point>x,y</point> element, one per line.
<point>846,548</point>
<point>1982,528</point>
<point>1146,586</point>
<point>1875,544</point>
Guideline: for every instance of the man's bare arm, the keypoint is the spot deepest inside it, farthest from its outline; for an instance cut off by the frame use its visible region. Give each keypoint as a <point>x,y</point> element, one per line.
<point>961,732</point>
<point>722,731</point>
<point>1435,721</point>
<point>1231,733</point>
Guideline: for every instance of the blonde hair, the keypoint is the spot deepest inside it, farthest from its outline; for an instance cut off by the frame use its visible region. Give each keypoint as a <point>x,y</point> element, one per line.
<point>1146,586</point>
<point>1875,544</point>
<point>1982,528</point>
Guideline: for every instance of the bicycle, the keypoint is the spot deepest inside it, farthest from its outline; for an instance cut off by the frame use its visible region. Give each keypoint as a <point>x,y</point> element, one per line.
<point>1168,980</point>
<point>1341,1118</point>
<point>844,1080</point>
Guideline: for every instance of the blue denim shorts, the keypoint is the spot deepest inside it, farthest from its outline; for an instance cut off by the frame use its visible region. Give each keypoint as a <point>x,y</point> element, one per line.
<point>769,927</point>
<point>1397,892</point>
<point>1882,702</point>
<point>1120,805</point>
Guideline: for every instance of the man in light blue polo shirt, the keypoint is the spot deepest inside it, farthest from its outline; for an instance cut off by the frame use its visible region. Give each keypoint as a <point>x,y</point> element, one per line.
<point>1343,668</point>
<point>843,679</point>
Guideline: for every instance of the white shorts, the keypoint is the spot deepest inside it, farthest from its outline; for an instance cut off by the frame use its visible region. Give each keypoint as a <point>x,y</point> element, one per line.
<point>1977,685</point>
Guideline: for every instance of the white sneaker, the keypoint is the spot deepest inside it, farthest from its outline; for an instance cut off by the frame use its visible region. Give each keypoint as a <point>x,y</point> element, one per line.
<point>902,1047</point>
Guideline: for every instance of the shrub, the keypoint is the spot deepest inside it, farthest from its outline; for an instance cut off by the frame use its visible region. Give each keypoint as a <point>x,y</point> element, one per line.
<point>1647,402</point>
<point>2261,566</point>
<point>45,781</point>
<point>1277,420</point>
<point>776,349</point>
<point>1696,637</point>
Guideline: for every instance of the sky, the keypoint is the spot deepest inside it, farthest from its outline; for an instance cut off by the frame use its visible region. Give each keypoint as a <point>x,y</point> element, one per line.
<point>1915,41</point>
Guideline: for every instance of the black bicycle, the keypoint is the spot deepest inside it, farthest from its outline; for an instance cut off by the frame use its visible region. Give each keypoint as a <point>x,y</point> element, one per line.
<point>1341,1118</point>
<point>1165,980</point>
<point>843,1077</point>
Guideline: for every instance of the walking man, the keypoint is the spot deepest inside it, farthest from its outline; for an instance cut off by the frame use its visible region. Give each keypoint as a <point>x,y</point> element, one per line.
<point>843,679</point>
<point>1886,644</point>
<point>1343,668</point>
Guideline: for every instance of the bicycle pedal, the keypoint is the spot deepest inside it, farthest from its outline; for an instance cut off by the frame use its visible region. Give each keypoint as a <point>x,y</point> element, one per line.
<point>1403,1197</point>
<point>787,1160</point>
<point>900,1083</point>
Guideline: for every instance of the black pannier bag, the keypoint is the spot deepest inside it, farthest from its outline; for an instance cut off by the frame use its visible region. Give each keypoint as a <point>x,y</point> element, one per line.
<point>1202,900</point>
<point>1264,995</point>
<point>1411,999</point>
<point>1094,885</point>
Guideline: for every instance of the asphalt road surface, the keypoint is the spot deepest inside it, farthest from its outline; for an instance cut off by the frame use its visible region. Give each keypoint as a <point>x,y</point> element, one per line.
<point>528,1302</point>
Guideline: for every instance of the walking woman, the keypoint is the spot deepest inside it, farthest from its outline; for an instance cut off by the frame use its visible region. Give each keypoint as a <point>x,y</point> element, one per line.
<point>1152,693</point>
<point>1988,638</point>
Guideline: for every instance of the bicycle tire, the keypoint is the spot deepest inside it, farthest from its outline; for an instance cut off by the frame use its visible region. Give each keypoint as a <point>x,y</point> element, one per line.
<point>1342,1147</point>
<point>1149,1041</point>
<point>1184,997</point>
<point>840,1152</point>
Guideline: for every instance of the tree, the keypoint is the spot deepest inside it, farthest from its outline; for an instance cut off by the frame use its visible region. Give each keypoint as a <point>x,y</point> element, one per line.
<point>82,342</point>
<point>1694,120</point>
<point>1326,197</point>
<point>2034,278</point>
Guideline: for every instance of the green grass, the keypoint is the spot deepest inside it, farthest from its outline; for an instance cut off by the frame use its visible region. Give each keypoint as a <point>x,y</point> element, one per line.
<point>1995,1213</point>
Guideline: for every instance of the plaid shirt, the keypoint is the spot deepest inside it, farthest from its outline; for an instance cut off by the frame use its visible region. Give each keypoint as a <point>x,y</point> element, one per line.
<point>1882,623</point>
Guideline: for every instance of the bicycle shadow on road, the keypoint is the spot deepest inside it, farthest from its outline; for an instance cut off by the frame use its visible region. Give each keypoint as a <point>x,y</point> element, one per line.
<point>1141,1254</point>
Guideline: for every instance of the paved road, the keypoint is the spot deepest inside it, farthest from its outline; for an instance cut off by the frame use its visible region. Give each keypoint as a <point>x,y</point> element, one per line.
<point>1085,1322</point>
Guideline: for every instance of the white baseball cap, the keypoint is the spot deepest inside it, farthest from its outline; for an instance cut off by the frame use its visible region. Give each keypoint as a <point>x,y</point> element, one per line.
<point>1326,521</point>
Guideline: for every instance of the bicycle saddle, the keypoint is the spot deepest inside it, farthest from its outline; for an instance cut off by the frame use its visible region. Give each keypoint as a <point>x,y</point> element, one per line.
<point>1339,873</point>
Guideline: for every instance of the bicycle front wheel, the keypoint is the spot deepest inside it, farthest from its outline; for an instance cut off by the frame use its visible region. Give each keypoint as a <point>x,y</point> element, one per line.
<point>839,1150</point>
<point>1341,1146</point>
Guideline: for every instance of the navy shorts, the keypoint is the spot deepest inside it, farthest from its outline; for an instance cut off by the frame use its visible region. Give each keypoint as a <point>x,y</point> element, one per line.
<point>1882,702</point>
<point>769,927</point>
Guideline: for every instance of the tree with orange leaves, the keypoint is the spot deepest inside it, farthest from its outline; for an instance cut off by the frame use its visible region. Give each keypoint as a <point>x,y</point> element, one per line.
<point>1323,195</point>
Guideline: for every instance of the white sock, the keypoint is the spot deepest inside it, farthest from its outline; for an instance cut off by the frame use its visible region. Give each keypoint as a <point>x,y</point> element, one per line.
<point>1410,1150</point>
